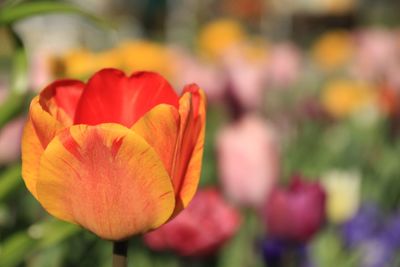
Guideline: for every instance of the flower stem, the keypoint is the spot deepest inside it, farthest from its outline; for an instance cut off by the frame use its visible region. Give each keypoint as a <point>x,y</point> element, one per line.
<point>120,254</point>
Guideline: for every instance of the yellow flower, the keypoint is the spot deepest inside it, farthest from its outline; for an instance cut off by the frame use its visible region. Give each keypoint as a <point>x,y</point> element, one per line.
<point>144,55</point>
<point>342,98</point>
<point>107,59</point>
<point>343,194</point>
<point>256,49</point>
<point>78,63</point>
<point>218,36</point>
<point>332,50</point>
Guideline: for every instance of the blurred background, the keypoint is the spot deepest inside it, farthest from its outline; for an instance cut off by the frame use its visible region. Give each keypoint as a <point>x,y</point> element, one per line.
<point>301,163</point>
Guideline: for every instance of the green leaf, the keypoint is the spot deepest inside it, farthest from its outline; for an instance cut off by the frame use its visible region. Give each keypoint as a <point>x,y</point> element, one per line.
<point>242,250</point>
<point>11,14</point>
<point>43,235</point>
<point>55,231</point>
<point>19,79</point>
<point>10,179</point>
<point>15,249</point>
<point>52,257</point>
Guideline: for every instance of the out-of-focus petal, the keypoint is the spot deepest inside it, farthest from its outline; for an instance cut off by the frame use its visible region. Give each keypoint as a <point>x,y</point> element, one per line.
<point>201,229</point>
<point>160,128</point>
<point>189,154</point>
<point>10,141</point>
<point>110,96</point>
<point>105,178</point>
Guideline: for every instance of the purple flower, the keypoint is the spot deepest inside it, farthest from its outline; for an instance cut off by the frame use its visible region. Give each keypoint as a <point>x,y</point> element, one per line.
<point>391,232</point>
<point>376,253</point>
<point>277,253</point>
<point>363,226</point>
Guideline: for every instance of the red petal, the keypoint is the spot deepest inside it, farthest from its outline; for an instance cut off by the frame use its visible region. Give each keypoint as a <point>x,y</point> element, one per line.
<point>67,95</point>
<point>188,159</point>
<point>60,98</point>
<point>110,96</point>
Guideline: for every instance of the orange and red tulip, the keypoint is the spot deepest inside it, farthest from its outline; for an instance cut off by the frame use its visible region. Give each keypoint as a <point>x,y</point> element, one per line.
<point>118,155</point>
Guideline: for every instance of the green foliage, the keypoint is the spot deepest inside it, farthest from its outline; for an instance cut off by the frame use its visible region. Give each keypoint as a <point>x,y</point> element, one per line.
<point>13,13</point>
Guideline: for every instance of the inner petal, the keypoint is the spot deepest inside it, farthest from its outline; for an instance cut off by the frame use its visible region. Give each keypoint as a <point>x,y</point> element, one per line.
<point>110,96</point>
<point>60,99</point>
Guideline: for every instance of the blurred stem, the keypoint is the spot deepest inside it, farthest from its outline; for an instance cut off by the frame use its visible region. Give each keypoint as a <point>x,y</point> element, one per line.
<point>19,81</point>
<point>291,259</point>
<point>8,3</point>
<point>120,254</point>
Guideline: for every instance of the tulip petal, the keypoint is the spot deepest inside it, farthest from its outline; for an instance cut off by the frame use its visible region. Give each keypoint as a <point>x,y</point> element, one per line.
<point>45,126</point>
<point>61,98</point>
<point>54,108</point>
<point>160,128</point>
<point>189,154</point>
<point>105,178</point>
<point>32,150</point>
<point>110,96</point>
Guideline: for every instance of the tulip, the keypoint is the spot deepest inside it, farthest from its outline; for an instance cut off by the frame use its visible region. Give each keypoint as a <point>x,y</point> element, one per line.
<point>333,50</point>
<point>376,54</point>
<point>343,194</point>
<point>144,55</point>
<point>248,160</point>
<point>118,155</point>
<point>284,65</point>
<point>189,68</point>
<point>297,213</point>
<point>246,74</point>
<point>344,98</point>
<point>218,36</point>
<point>200,229</point>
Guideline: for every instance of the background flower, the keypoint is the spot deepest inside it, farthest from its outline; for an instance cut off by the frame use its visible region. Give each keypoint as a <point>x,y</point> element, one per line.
<point>295,214</point>
<point>343,194</point>
<point>10,141</point>
<point>342,98</point>
<point>248,160</point>
<point>199,230</point>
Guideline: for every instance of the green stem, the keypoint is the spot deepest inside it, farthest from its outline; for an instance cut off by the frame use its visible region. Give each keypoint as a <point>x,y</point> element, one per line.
<point>120,254</point>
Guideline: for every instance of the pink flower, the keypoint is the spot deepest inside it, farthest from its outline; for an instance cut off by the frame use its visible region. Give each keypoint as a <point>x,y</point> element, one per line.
<point>297,213</point>
<point>10,141</point>
<point>247,78</point>
<point>40,70</point>
<point>200,229</point>
<point>376,53</point>
<point>189,69</point>
<point>248,160</point>
<point>284,65</point>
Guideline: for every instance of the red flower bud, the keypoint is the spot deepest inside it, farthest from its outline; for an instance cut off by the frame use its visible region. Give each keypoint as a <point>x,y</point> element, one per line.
<point>297,213</point>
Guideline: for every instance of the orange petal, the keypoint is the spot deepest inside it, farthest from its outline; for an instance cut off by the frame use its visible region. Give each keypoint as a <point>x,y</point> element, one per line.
<point>105,178</point>
<point>54,108</point>
<point>43,123</point>
<point>160,127</point>
<point>32,150</point>
<point>189,154</point>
